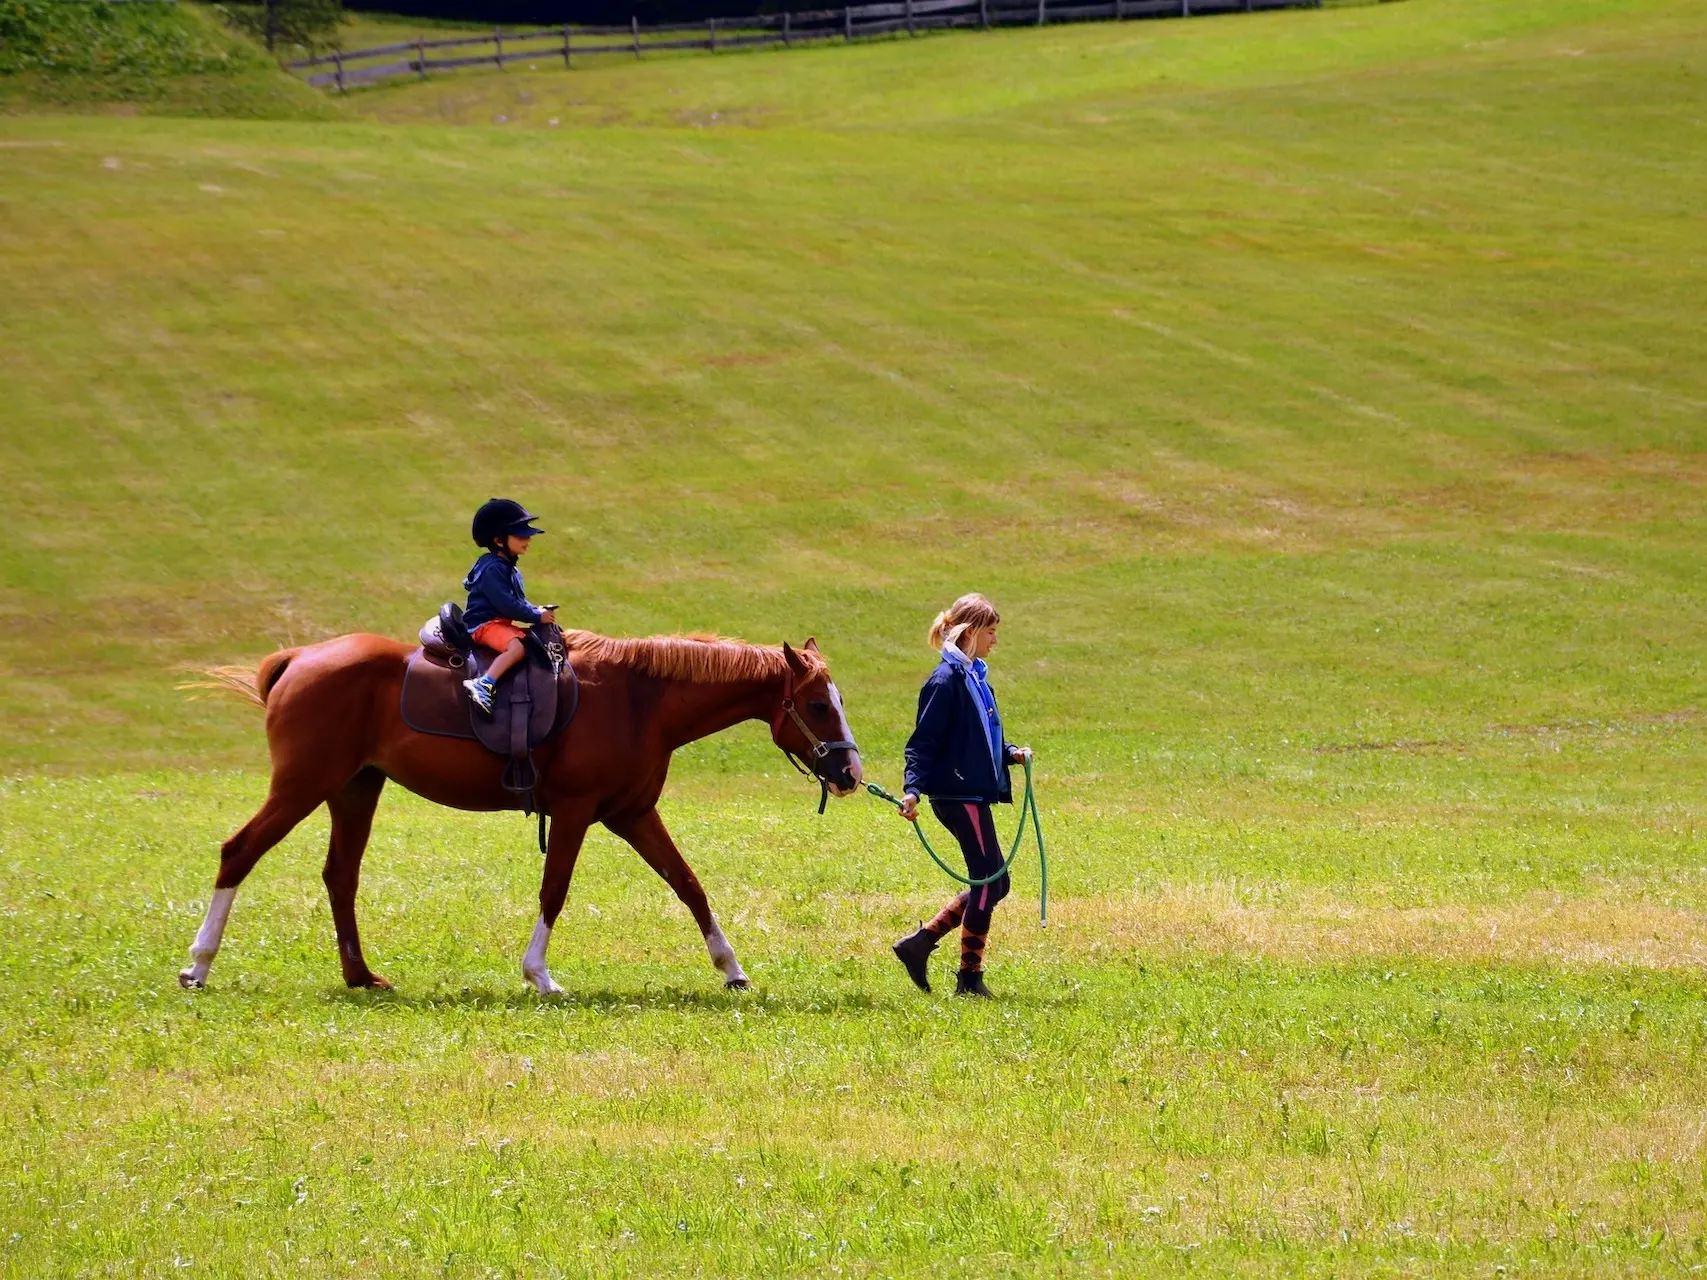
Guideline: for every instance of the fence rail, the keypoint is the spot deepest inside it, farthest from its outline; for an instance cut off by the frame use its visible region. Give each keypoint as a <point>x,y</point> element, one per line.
<point>851,22</point>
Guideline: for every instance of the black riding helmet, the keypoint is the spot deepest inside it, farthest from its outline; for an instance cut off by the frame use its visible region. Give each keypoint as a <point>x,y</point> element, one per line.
<point>498,517</point>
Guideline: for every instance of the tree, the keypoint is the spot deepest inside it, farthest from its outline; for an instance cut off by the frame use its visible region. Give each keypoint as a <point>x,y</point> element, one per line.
<point>309,23</point>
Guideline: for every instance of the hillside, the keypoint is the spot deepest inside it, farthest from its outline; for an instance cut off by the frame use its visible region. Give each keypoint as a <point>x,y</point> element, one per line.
<point>1303,403</point>
<point>162,59</point>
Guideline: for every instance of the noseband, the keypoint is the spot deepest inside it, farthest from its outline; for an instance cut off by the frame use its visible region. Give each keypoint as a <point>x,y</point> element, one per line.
<point>812,766</point>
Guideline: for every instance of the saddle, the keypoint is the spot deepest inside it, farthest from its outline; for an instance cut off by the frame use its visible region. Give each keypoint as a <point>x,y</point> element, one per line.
<point>533,704</point>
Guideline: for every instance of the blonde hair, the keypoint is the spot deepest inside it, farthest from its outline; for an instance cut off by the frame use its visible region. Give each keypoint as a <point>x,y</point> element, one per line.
<point>969,613</point>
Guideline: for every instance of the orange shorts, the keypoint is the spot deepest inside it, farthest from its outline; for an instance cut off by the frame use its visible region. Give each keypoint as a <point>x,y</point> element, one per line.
<point>497,634</point>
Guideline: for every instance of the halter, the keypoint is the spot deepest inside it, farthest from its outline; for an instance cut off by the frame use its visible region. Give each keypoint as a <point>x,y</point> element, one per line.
<point>819,749</point>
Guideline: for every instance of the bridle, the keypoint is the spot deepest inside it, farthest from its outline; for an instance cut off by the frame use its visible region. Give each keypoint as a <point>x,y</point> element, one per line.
<point>818,750</point>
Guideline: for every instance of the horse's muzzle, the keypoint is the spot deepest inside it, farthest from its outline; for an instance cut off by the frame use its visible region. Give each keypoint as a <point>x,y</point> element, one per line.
<point>844,776</point>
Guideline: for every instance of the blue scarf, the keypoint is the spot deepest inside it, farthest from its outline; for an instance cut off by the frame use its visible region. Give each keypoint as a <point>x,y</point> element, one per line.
<point>978,677</point>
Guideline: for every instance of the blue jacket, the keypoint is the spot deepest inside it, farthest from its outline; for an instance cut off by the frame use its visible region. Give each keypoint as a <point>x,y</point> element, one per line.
<point>957,740</point>
<point>494,587</point>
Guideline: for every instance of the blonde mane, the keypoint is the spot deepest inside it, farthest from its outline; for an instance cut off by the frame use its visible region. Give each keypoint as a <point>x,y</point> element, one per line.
<point>698,659</point>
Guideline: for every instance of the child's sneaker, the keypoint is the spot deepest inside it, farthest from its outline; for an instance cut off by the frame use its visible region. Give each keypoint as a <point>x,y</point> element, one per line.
<point>481,689</point>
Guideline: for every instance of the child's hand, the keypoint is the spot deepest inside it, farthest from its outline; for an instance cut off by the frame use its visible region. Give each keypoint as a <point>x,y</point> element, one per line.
<point>548,616</point>
<point>910,807</point>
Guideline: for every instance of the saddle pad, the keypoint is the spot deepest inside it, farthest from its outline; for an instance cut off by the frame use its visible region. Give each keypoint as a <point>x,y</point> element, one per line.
<point>435,702</point>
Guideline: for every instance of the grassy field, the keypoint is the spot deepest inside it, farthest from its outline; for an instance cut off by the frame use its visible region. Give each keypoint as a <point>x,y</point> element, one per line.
<point>1321,397</point>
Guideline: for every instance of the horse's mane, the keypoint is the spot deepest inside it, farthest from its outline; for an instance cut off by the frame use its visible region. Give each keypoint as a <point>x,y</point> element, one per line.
<point>698,659</point>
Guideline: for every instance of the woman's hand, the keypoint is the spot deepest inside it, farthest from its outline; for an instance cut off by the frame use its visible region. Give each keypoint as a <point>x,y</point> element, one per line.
<point>1019,755</point>
<point>910,807</point>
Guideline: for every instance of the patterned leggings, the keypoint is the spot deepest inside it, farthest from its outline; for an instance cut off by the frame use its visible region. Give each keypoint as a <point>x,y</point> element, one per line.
<point>975,828</point>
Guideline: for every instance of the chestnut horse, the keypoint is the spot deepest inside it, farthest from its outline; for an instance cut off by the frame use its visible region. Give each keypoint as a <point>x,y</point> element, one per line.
<point>336,734</point>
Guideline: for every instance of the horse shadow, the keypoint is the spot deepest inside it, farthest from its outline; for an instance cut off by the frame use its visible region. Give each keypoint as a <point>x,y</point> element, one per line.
<point>610,1001</point>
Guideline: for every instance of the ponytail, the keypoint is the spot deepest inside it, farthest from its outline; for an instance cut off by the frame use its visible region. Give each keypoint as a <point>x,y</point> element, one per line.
<point>937,624</point>
<point>968,613</point>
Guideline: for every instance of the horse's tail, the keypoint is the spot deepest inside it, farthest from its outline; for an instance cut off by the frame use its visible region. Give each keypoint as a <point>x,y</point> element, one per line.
<point>251,686</point>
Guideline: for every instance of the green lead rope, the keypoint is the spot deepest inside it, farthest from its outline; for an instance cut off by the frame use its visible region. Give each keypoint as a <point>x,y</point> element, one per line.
<point>1028,809</point>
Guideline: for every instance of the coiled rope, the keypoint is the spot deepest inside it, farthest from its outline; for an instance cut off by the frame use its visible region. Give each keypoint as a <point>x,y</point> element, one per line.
<point>1028,810</point>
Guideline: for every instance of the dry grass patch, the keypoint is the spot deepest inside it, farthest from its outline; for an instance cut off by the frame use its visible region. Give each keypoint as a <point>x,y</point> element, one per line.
<point>1538,928</point>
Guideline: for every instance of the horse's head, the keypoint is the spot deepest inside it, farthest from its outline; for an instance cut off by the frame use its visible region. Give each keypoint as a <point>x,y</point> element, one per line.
<point>811,726</point>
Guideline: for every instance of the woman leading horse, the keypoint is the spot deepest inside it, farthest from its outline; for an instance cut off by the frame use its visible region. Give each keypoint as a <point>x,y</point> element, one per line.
<point>336,735</point>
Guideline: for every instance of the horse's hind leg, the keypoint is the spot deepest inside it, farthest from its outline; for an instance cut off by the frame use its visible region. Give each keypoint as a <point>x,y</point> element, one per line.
<point>352,820</point>
<point>651,840</point>
<point>284,808</point>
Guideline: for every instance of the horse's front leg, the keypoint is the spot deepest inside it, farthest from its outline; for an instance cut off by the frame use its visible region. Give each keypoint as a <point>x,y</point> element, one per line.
<point>651,840</point>
<point>562,848</point>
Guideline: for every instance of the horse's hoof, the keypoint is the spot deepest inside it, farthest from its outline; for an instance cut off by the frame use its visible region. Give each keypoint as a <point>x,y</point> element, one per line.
<point>737,984</point>
<point>372,982</point>
<point>189,982</point>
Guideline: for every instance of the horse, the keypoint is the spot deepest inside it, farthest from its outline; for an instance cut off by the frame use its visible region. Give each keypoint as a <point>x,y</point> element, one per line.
<point>336,735</point>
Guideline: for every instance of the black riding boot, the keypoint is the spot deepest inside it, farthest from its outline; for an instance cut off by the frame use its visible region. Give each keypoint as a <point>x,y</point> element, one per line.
<point>914,953</point>
<point>970,982</point>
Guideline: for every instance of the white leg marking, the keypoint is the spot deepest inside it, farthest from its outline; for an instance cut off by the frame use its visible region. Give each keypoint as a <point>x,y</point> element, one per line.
<point>723,956</point>
<point>533,962</point>
<point>206,945</point>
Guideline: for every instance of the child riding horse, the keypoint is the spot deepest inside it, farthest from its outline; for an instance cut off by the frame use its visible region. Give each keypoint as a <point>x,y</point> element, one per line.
<point>336,733</point>
<point>499,612</point>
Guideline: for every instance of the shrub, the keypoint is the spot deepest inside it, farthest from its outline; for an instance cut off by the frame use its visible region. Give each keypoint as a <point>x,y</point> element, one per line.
<point>122,39</point>
<point>309,24</point>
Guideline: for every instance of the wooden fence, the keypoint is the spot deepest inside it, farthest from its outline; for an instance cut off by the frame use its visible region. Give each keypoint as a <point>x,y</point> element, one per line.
<point>418,57</point>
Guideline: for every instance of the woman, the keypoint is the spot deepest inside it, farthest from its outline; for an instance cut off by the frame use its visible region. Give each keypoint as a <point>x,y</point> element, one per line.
<point>958,757</point>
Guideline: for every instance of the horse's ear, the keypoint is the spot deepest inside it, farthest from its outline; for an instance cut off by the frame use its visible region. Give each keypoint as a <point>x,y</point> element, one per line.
<point>812,643</point>
<point>795,662</point>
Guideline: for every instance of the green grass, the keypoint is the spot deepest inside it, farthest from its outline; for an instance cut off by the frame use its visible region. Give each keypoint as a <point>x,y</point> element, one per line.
<point>1320,396</point>
<point>141,58</point>
<point>1256,1107</point>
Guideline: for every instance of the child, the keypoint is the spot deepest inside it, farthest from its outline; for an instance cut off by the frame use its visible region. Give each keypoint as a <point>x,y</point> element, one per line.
<point>958,757</point>
<point>498,612</point>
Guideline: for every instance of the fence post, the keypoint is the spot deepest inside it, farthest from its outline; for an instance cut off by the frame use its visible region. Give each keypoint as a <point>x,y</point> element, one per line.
<point>787,39</point>
<point>847,25</point>
<point>910,30</point>
<point>338,58</point>
<point>1185,8</point>
<point>566,46</point>
<point>421,56</point>
<point>634,27</point>
<point>983,15</point>
<point>1041,3</point>
<point>498,40</point>
<point>1119,10</point>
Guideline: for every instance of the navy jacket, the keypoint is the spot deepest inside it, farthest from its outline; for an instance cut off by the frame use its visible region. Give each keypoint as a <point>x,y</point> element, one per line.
<point>494,587</point>
<point>948,756</point>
